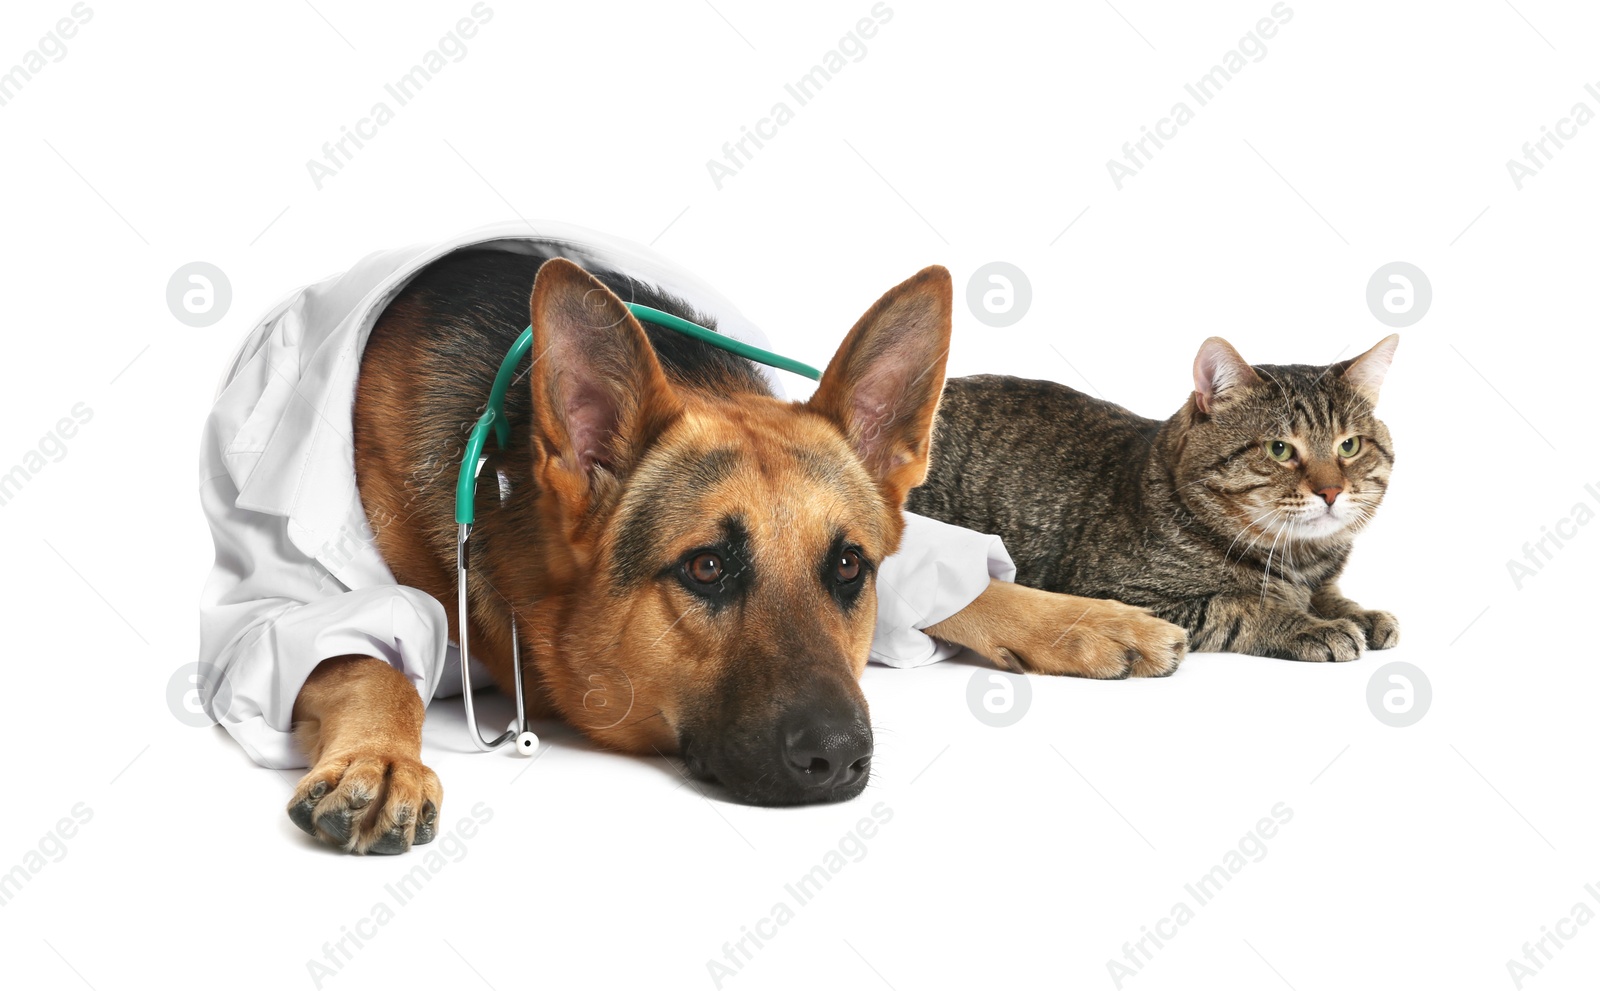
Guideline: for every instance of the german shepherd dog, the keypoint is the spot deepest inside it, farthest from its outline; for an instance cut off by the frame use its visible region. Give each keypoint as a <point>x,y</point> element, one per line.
<point>690,560</point>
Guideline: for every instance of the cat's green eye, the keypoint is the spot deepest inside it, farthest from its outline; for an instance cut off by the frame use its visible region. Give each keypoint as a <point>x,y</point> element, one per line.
<point>1279,450</point>
<point>1350,448</point>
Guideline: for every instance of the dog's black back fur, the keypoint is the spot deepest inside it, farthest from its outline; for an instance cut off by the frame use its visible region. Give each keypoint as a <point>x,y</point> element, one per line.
<point>466,310</point>
<point>491,289</point>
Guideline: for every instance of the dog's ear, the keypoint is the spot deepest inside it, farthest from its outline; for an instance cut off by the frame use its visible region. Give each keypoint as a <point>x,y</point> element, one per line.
<point>599,395</point>
<point>883,385</point>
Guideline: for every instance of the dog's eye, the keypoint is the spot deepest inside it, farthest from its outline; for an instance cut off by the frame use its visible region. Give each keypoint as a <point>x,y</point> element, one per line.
<point>844,573</point>
<point>848,568</point>
<point>705,568</point>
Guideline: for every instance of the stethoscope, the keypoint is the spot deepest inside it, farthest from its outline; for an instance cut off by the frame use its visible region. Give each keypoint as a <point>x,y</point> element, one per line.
<point>472,462</point>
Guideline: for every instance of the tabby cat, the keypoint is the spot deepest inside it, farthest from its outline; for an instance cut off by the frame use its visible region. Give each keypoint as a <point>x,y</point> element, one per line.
<point>1232,519</point>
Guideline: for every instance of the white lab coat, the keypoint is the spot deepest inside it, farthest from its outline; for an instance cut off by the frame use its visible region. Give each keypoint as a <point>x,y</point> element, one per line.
<point>298,578</point>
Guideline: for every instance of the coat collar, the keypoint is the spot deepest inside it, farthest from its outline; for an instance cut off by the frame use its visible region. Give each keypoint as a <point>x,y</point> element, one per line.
<point>292,454</point>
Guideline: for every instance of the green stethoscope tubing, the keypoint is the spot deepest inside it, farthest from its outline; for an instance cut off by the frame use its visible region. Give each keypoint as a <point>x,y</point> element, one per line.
<point>493,418</point>
<point>494,415</point>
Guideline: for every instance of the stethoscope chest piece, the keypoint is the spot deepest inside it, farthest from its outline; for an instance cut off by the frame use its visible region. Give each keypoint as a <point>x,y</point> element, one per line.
<point>526,740</point>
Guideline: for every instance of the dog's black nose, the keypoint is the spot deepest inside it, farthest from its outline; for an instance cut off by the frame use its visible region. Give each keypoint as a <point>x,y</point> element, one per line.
<point>825,750</point>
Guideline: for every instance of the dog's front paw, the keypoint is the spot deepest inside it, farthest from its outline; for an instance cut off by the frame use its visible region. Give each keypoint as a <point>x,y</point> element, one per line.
<point>1028,630</point>
<point>1094,638</point>
<point>1381,629</point>
<point>368,802</point>
<point>1327,640</point>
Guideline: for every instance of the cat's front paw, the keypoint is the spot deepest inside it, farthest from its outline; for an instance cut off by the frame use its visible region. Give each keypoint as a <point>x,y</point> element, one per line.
<point>1327,640</point>
<point>1382,630</point>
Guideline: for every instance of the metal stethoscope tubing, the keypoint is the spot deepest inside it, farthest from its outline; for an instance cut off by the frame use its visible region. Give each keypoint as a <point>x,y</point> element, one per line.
<point>527,742</point>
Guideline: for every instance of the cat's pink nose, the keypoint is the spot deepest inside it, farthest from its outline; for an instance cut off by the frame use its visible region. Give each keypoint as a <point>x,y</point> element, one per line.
<point>1330,493</point>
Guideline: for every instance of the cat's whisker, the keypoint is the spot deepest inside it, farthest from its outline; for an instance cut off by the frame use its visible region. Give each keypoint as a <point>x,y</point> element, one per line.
<point>1293,573</point>
<point>1266,573</point>
<point>1362,517</point>
<point>1246,530</point>
<point>1266,576</point>
<point>1255,542</point>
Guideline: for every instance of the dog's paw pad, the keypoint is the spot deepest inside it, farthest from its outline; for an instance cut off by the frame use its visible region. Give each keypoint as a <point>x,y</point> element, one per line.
<point>336,825</point>
<point>302,813</point>
<point>392,842</point>
<point>427,825</point>
<point>368,803</point>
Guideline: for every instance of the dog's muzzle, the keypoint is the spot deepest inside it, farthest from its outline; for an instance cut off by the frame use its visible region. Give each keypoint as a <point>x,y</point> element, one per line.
<point>815,751</point>
<point>825,751</point>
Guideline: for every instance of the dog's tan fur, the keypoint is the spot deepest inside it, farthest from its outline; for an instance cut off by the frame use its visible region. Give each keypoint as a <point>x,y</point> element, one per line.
<point>359,722</point>
<point>1027,630</point>
<point>619,469</point>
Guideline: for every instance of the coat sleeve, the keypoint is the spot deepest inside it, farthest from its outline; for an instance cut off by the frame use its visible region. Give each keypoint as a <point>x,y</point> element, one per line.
<point>937,572</point>
<point>270,614</point>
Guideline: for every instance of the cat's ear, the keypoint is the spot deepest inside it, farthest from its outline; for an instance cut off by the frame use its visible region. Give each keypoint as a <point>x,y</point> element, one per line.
<point>1366,371</point>
<point>1218,368</point>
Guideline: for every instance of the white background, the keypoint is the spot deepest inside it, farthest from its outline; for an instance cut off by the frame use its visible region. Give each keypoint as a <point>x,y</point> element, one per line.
<point>1016,858</point>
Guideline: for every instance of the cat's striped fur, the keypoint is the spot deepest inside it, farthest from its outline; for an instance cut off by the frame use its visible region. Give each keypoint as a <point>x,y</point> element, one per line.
<point>1194,518</point>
